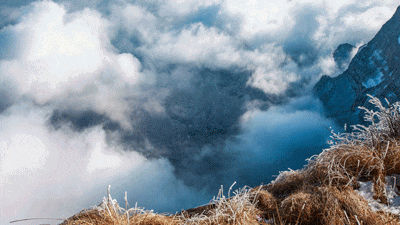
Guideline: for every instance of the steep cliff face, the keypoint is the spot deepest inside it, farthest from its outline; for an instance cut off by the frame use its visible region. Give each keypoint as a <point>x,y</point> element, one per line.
<point>375,70</point>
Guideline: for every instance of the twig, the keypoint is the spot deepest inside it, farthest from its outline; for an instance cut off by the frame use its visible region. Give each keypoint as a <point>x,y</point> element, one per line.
<point>16,221</point>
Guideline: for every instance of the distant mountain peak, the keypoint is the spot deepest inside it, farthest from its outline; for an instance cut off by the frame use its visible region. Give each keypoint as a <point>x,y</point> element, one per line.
<point>342,55</point>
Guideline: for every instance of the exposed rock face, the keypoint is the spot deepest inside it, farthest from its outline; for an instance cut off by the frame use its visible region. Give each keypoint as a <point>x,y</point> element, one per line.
<point>375,70</point>
<point>342,55</point>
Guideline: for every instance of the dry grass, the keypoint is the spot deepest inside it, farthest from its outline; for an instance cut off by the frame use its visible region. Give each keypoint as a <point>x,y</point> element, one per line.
<point>321,193</point>
<point>91,217</point>
<point>109,212</point>
<point>240,209</point>
<point>327,205</point>
<point>368,153</point>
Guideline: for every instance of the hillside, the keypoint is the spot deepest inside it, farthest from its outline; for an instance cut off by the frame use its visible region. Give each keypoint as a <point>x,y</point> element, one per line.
<point>373,70</point>
<point>351,182</point>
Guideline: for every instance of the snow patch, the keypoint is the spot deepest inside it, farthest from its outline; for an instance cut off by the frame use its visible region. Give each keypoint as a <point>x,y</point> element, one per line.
<point>373,81</point>
<point>392,184</point>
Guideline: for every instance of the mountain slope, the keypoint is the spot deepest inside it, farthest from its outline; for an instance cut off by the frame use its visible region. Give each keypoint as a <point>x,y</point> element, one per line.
<point>375,70</point>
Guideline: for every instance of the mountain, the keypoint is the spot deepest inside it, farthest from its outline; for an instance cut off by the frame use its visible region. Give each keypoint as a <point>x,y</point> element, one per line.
<point>375,70</point>
<point>342,55</point>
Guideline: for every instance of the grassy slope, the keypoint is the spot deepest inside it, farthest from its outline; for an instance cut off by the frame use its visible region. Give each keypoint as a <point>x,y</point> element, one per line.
<point>321,193</point>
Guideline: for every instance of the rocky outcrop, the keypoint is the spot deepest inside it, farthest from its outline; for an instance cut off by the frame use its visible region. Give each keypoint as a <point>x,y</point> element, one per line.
<point>342,55</point>
<point>375,70</point>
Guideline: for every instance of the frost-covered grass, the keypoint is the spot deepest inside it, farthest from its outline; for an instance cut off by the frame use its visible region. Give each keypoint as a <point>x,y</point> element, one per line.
<point>324,191</point>
<point>366,154</point>
<point>239,209</point>
<point>352,182</point>
<point>109,212</point>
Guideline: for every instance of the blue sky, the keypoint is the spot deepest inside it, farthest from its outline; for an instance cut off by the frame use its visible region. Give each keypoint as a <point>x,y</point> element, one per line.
<point>164,99</point>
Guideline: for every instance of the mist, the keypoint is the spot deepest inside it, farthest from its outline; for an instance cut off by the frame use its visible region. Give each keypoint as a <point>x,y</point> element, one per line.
<point>165,100</point>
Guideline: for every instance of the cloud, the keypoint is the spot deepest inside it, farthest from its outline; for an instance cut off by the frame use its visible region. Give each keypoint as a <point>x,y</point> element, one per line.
<point>136,21</point>
<point>260,16</point>
<point>166,100</point>
<point>51,55</point>
<point>306,31</point>
<point>353,23</point>
<point>300,44</point>
<point>272,81</point>
<point>202,47</point>
<point>56,173</point>
<point>172,8</point>
<point>196,45</point>
<point>280,138</point>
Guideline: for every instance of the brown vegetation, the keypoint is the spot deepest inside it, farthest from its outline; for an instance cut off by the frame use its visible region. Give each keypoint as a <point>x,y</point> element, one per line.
<point>321,193</point>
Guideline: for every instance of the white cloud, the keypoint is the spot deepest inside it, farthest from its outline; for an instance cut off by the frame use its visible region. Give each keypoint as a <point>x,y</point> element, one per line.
<point>200,46</point>
<point>137,21</point>
<point>261,16</point>
<point>57,53</point>
<point>351,22</point>
<point>273,82</point>
<point>275,19</point>
<point>56,174</point>
<point>174,8</point>
<point>196,45</point>
<point>129,68</point>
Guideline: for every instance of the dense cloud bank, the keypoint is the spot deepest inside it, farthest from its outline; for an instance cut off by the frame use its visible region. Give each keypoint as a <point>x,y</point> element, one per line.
<point>164,99</point>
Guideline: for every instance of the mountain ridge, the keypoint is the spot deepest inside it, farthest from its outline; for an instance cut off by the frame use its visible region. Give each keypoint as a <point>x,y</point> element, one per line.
<point>373,70</point>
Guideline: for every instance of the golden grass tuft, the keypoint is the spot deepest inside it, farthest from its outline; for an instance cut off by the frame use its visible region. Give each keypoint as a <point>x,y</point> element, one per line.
<point>265,201</point>
<point>325,205</point>
<point>239,209</point>
<point>344,166</point>
<point>286,183</point>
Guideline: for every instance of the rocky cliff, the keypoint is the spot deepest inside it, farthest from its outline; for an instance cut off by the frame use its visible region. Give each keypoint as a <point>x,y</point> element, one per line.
<point>375,70</point>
